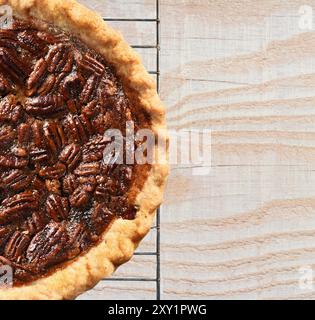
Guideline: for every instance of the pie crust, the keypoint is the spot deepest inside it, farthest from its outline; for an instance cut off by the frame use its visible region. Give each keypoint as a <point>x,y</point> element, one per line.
<point>120,240</point>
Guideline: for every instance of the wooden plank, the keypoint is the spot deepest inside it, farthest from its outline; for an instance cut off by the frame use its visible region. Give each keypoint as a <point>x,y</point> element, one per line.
<point>245,70</point>
<point>137,33</point>
<point>122,8</point>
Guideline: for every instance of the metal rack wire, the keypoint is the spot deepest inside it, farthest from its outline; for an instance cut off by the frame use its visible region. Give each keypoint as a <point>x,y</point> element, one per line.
<point>156,72</point>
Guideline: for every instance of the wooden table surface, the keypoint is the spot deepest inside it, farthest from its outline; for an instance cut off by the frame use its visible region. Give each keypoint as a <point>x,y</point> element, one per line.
<point>245,69</point>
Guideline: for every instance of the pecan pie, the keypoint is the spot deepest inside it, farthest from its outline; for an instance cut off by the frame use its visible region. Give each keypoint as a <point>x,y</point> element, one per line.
<point>68,218</point>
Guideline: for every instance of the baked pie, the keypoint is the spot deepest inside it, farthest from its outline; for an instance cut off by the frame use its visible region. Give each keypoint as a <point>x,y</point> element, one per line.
<point>67,217</point>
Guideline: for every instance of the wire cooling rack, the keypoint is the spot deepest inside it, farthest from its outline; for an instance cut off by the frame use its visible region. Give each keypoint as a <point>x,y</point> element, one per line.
<point>156,72</point>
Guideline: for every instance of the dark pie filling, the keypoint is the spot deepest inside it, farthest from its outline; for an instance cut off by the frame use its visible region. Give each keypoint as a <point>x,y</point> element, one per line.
<point>57,197</point>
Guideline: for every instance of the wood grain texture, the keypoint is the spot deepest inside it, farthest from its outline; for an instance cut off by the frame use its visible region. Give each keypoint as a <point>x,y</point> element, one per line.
<point>245,70</point>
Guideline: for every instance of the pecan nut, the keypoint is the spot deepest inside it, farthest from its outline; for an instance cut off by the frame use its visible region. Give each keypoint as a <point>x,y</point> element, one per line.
<point>54,172</point>
<point>94,149</point>
<point>100,214</point>
<point>17,246</point>
<point>11,65</point>
<point>10,110</point>
<point>7,136</point>
<point>55,137</point>
<point>18,205</point>
<point>57,207</point>
<point>16,180</point>
<point>70,183</point>
<point>35,78</point>
<point>72,85</point>
<point>39,156</point>
<point>37,133</point>
<point>70,155</point>
<point>79,128</point>
<point>81,197</point>
<point>77,238</point>
<point>31,42</point>
<point>89,89</point>
<point>46,244</point>
<point>59,59</point>
<point>8,39</point>
<point>35,223</point>
<point>24,131</point>
<point>13,162</point>
<point>88,169</point>
<point>91,65</point>
<point>45,106</point>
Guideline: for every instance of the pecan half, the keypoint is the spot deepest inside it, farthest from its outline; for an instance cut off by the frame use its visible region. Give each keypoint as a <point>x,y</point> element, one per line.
<point>90,110</point>
<point>72,85</point>
<point>39,156</point>
<point>55,137</point>
<point>78,128</point>
<point>89,89</point>
<point>24,132</point>
<point>34,80</point>
<point>77,238</point>
<point>9,110</point>
<point>18,205</point>
<point>47,85</point>
<point>70,155</point>
<point>17,246</point>
<point>16,180</point>
<point>7,136</point>
<point>91,65</point>
<point>81,196</point>
<point>37,133</point>
<point>69,184</point>
<point>54,172</point>
<point>45,106</point>
<point>57,207</point>
<point>35,223</point>
<point>13,162</point>
<point>100,215</point>
<point>47,244</point>
<point>27,197</point>
<point>88,169</point>
<point>94,149</point>
<point>31,42</point>
<point>11,65</point>
<point>59,59</point>
<point>8,39</point>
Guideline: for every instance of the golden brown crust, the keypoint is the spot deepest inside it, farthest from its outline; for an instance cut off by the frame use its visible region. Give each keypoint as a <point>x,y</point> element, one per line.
<point>120,241</point>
